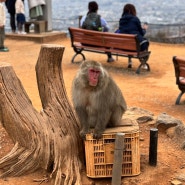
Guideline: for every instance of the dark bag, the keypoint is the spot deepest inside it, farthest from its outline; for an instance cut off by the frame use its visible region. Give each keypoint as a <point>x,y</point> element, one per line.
<point>92,22</point>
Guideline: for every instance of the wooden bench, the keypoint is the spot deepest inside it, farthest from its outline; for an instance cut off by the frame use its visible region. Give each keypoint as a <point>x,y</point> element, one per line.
<point>125,45</point>
<point>39,26</point>
<point>179,66</point>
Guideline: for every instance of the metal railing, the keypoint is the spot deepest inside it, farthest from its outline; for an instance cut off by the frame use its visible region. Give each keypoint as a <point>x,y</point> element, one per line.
<point>167,33</point>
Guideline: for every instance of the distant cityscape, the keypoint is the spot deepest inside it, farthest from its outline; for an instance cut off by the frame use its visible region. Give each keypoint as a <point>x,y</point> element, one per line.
<point>65,13</point>
<point>151,11</point>
<point>155,12</point>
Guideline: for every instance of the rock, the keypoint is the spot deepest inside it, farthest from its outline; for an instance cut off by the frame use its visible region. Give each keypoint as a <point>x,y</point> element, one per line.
<point>176,182</point>
<point>134,113</point>
<point>173,127</point>
<point>144,119</point>
<point>181,177</point>
<point>180,135</point>
<point>170,132</point>
<point>165,121</point>
<point>140,111</point>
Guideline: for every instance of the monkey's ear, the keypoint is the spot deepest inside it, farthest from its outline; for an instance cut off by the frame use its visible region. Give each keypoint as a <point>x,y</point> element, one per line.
<point>86,64</point>
<point>83,63</point>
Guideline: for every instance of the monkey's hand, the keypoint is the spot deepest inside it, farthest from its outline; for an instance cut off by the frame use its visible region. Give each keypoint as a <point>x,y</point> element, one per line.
<point>83,134</point>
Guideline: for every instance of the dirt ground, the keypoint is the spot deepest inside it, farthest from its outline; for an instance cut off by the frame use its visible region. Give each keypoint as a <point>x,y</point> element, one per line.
<point>154,91</point>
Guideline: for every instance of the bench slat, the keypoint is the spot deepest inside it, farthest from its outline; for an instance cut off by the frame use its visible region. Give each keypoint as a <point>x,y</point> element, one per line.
<point>116,51</point>
<point>105,39</point>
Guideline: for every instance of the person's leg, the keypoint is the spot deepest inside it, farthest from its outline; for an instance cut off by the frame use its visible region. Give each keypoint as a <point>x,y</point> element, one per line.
<point>12,22</point>
<point>144,44</point>
<point>144,47</point>
<point>2,38</point>
<point>20,22</point>
<point>129,62</point>
<point>110,59</point>
<point>19,27</point>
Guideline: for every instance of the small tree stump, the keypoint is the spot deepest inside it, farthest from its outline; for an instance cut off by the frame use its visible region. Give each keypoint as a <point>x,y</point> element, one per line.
<point>49,139</point>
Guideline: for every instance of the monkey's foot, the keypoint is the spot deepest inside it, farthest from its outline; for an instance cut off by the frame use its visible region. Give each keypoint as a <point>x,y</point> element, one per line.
<point>83,134</point>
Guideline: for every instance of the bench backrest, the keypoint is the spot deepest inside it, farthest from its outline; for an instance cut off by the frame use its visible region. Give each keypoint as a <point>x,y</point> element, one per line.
<point>179,65</point>
<point>105,39</point>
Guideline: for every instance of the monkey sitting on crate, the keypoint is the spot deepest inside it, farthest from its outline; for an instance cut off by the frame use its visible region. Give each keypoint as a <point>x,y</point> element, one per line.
<point>97,99</point>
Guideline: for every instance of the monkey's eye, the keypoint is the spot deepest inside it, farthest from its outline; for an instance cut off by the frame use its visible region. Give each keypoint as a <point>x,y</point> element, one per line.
<point>94,71</point>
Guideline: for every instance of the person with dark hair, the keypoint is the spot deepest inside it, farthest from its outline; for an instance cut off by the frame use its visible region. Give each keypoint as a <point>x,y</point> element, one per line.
<point>129,23</point>
<point>93,21</point>
<point>92,11</point>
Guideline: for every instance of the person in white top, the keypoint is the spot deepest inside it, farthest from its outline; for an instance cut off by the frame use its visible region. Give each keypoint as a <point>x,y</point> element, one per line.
<point>20,13</point>
<point>2,26</point>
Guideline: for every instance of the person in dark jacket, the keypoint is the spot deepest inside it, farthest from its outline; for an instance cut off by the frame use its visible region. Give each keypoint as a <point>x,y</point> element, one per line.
<point>129,23</point>
<point>10,5</point>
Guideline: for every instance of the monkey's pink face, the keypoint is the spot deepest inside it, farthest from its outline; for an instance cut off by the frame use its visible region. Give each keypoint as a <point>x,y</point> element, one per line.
<point>93,75</point>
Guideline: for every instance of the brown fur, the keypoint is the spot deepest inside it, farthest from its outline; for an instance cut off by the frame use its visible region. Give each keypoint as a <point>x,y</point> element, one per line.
<point>97,106</point>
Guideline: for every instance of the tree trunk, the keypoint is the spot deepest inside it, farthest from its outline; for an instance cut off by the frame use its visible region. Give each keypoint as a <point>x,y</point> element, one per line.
<point>48,139</point>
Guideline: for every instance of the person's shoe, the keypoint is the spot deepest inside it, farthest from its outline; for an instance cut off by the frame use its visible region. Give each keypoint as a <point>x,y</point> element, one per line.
<point>181,78</point>
<point>22,32</point>
<point>144,66</point>
<point>110,60</point>
<point>130,63</point>
<point>4,49</point>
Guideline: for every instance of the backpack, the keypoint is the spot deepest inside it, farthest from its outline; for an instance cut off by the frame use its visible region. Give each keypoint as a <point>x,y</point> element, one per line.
<point>92,22</point>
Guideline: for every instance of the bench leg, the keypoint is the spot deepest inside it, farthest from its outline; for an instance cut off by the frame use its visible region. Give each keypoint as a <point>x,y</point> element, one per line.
<point>72,61</point>
<point>77,52</point>
<point>179,97</point>
<point>27,27</point>
<point>143,61</point>
<point>129,62</point>
<point>138,69</point>
<point>116,57</point>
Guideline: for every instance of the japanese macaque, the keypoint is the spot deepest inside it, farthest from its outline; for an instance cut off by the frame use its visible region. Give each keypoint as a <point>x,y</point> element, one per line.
<point>97,99</point>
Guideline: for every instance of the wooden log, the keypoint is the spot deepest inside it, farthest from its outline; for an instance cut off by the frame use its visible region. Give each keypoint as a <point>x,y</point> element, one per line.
<point>48,139</point>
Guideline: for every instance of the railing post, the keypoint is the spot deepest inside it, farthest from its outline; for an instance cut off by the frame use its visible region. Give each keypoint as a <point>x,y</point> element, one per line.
<point>79,19</point>
<point>118,159</point>
<point>153,146</point>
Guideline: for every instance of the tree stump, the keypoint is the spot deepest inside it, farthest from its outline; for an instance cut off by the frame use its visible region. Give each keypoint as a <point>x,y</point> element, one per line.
<point>49,139</point>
